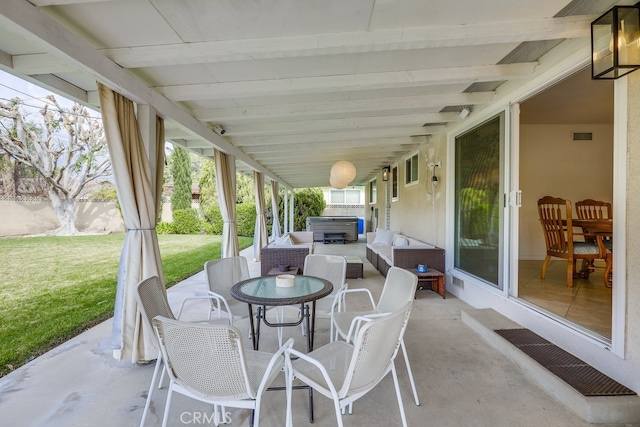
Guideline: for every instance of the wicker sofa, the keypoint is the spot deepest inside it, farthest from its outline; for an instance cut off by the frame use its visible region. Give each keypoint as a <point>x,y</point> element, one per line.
<point>395,249</point>
<point>291,251</point>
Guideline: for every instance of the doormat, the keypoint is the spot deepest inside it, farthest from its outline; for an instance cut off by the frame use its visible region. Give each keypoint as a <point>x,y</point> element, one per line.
<point>578,374</point>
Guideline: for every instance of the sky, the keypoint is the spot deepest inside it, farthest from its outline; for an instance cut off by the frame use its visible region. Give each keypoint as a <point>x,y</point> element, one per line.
<point>33,96</point>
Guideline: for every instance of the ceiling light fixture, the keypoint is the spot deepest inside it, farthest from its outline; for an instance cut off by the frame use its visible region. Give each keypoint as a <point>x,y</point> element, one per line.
<point>342,173</point>
<point>615,42</point>
<point>464,113</point>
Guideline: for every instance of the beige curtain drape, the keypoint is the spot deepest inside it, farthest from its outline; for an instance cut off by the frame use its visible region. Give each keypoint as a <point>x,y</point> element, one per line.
<point>275,193</point>
<point>226,185</point>
<point>260,231</point>
<point>140,256</point>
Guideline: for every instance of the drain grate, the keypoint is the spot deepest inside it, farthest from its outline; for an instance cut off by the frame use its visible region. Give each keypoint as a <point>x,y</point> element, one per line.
<point>579,375</point>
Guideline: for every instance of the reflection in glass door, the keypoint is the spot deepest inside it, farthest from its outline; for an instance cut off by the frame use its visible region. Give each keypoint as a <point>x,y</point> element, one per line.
<point>479,201</point>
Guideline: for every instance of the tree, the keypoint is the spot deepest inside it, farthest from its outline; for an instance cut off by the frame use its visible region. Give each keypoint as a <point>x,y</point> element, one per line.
<point>65,146</point>
<point>181,174</point>
<point>307,202</point>
<point>207,184</point>
<point>8,171</point>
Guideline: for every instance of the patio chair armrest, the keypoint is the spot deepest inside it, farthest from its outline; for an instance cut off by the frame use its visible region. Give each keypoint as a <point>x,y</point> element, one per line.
<point>291,351</point>
<point>274,359</point>
<point>211,296</point>
<point>357,322</point>
<point>207,297</point>
<point>340,297</point>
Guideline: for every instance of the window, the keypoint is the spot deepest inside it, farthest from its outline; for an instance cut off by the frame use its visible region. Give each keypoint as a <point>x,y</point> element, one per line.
<point>478,201</point>
<point>342,197</point>
<point>337,197</point>
<point>411,170</point>
<point>394,183</point>
<point>352,197</point>
<point>373,191</point>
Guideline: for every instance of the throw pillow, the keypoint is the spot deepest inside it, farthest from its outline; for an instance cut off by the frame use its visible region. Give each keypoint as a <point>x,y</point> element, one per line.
<point>383,237</point>
<point>400,240</point>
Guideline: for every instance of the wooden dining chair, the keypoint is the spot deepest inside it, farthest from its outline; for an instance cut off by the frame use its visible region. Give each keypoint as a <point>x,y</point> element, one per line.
<point>597,209</point>
<point>556,221</point>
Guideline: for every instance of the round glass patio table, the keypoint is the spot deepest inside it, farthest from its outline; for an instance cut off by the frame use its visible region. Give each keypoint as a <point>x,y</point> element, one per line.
<point>262,291</point>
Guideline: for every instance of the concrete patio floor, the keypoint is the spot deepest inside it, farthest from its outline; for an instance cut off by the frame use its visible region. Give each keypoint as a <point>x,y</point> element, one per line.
<point>462,379</point>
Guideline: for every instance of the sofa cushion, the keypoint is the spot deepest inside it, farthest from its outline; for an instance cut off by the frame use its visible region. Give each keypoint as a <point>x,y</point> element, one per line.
<point>400,240</point>
<point>386,253</point>
<point>283,241</point>
<point>383,237</point>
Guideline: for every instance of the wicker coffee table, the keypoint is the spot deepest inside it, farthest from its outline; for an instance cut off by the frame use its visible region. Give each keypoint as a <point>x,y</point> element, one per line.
<point>354,267</point>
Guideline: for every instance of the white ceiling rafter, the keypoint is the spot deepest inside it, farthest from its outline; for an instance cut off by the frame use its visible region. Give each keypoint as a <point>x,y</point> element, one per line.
<point>294,86</point>
<point>353,82</point>
<point>273,112</point>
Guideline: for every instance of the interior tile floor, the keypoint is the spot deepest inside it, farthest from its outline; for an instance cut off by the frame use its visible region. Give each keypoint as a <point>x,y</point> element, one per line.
<point>587,303</point>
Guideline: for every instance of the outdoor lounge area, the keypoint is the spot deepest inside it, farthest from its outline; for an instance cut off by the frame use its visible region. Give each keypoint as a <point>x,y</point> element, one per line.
<point>461,378</point>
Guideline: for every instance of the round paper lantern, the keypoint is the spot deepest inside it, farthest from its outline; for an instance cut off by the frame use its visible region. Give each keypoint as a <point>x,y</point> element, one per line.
<point>337,183</point>
<point>342,173</point>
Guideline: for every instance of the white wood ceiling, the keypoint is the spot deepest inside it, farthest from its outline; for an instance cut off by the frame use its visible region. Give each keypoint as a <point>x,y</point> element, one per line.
<point>296,84</point>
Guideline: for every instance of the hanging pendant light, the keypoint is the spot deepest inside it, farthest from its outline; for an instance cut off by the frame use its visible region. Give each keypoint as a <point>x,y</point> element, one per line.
<point>342,173</point>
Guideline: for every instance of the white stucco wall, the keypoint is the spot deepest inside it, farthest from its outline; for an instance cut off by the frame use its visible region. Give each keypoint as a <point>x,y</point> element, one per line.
<point>551,164</point>
<point>20,218</point>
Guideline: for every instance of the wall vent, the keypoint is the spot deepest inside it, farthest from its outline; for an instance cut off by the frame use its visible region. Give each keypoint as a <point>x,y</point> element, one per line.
<point>582,136</point>
<point>458,282</point>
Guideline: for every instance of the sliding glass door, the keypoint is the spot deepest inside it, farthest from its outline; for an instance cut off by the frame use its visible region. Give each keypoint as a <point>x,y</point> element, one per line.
<point>479,201</point>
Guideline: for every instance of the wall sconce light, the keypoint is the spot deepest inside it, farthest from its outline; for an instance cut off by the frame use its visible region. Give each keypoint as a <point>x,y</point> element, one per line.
<point>615,42</point>
<point>386,170</point>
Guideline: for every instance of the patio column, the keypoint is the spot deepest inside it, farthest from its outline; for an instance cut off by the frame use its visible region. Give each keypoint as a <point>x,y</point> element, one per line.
<point>260,231</point>
<point>275,208</point>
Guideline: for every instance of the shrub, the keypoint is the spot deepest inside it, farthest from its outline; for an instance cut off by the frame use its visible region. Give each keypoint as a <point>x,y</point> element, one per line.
<point>185,221</point>
<point>213,221</point>
<point>164,228</point>
<point>307,202</point>
<point>246,219</point>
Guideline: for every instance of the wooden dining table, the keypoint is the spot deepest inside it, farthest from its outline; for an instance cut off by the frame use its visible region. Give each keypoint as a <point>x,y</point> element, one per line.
<point>603,230</point>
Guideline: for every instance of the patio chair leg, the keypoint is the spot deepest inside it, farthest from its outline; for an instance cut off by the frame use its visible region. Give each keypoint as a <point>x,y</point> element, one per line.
<point>151,387</point>
<point>410,372</point>
<point>397,386</point>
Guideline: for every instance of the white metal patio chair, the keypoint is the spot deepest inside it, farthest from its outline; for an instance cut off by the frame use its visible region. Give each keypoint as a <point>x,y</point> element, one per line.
<point>151,296</point>
<point>209,363</point>
<point>221,275</point>
<point>329,267</point>
<point>344,371</point>
<point>399,288</point>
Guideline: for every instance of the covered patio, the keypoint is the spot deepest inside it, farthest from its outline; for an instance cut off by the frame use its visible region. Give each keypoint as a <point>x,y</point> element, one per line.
<point>282,91</point>
<point>462,379</point>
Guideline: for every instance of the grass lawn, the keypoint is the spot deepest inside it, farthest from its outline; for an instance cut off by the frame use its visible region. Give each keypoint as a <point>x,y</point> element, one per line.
<point>53,288</point>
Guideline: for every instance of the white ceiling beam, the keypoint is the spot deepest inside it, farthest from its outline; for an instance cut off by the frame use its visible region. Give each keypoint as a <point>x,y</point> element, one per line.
<point>363,134</point>
<point>273,159</point>
<point>315,109</point>
<point>349,82</point>
<point>331,125</point>
<point>22,17</point>
<point>371,143</point>
<point>353,42</point>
